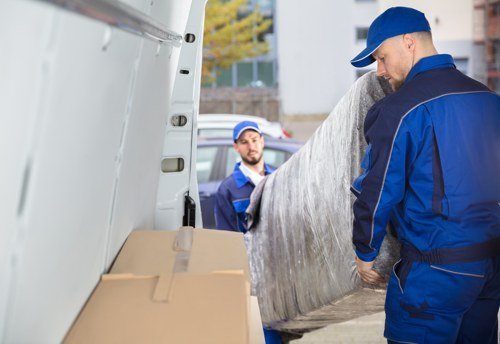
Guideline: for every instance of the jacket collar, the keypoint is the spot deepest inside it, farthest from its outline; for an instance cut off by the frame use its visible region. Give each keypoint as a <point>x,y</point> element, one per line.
<point>431,62</point>
<point>241,179</point>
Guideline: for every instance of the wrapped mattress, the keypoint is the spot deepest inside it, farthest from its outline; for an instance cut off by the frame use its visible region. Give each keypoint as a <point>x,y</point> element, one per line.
<point>300,218</point>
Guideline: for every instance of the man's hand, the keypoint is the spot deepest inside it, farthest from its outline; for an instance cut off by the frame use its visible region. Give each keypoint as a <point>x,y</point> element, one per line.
<point>367,274</point>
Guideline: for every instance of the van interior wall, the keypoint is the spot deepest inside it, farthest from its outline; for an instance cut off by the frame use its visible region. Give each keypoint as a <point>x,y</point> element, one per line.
<point>82,113</point>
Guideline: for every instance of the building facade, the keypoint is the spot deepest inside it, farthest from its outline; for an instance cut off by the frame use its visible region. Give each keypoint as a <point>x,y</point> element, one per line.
<point>487,41</point>
<point>315,44</point>
<point>331,33</point>
<point>308,70</point>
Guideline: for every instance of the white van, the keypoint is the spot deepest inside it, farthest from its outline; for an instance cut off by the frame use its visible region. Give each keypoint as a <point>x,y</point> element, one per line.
<point>98,109</point>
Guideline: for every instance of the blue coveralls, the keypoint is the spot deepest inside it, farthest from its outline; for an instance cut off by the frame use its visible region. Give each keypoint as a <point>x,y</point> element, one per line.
<point>231,201</point>
<point>233,198</point>
<point>432,168</point>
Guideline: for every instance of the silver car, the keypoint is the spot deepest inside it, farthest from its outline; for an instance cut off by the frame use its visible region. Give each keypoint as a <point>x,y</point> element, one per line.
<point>221,126</point>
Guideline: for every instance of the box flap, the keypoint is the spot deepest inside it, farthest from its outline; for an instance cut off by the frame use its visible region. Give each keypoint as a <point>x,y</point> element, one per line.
<point>218,250</point>
<point>146,253</point>
<point>156,252</point>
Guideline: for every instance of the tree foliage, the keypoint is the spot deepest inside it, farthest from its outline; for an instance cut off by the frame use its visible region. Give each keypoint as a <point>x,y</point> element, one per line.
<point>229,36</point>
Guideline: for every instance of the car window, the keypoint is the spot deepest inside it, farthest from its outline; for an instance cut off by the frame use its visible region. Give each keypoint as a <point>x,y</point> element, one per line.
<point>205,162</point>
<point>273,157</point>
<point>232,158</point>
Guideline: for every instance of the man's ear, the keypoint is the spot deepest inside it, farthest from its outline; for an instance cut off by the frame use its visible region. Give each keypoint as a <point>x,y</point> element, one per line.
<point>235,146</point>
<point>409,41</point>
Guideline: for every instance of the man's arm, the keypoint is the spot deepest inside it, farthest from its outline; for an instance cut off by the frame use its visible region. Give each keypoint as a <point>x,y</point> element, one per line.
<point>382,187</point>
<point>225,216</point>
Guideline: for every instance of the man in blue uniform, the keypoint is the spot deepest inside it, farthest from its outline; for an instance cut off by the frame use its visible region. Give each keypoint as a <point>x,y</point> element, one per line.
<point>233,196</point>
<point>431,168</point>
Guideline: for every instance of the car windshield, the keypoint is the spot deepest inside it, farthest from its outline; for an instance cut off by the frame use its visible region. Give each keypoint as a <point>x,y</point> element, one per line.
<point>272,157</point>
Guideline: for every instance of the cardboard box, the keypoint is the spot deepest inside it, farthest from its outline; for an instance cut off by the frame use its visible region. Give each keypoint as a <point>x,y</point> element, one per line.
<point>157,252</point>
<point>188,286</point>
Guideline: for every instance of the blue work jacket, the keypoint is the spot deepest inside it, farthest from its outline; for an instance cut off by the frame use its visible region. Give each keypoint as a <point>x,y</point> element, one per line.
<point>232,200</point>
<point>432,165</point>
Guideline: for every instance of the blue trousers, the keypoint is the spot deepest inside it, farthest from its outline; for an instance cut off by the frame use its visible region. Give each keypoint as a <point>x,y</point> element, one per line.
<point>271,336</point>
<point>454,303</point>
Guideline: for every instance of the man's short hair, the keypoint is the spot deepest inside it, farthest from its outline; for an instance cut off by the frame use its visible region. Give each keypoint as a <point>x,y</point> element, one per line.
<point>423,35</point>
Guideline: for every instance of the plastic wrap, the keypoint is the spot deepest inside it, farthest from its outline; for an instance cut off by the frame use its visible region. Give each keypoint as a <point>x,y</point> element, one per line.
<point>300,242</point>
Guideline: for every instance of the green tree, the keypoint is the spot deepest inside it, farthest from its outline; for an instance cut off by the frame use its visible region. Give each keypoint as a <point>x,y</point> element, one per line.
<point>229,36</point>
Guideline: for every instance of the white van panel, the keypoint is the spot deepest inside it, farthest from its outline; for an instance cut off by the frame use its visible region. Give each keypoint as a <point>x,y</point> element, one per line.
<point>83,109</point>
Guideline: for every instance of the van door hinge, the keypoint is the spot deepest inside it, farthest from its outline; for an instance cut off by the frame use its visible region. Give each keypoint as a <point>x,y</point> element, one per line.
<point>189,212</point>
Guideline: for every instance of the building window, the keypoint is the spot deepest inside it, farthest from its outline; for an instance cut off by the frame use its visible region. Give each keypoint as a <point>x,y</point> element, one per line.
<point>225,78</point>
<point>361,33</point>
<point>260,71</point>
<point>244,74</point>
<point>265,74</point>
<point>247,74</point>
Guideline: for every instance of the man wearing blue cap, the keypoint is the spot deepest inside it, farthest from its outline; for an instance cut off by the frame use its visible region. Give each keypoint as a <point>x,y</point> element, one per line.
<point>233,196</point>
<point>433,170</point>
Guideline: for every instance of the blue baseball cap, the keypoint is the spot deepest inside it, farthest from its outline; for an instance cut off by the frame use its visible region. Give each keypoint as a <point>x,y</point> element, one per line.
<point>242,126</point>
<point>393,22</point>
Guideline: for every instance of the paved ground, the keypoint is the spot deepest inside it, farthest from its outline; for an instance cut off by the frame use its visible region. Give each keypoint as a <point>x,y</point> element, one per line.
<point>365,330</point>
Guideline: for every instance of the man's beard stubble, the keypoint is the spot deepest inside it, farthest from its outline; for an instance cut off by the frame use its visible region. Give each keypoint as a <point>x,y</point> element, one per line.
<point>252,162</point>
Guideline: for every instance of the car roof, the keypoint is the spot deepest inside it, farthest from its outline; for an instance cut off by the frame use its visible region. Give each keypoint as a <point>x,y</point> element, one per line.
<point>288,145</point>
<point>208,122</point>
<point>234,118</point>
